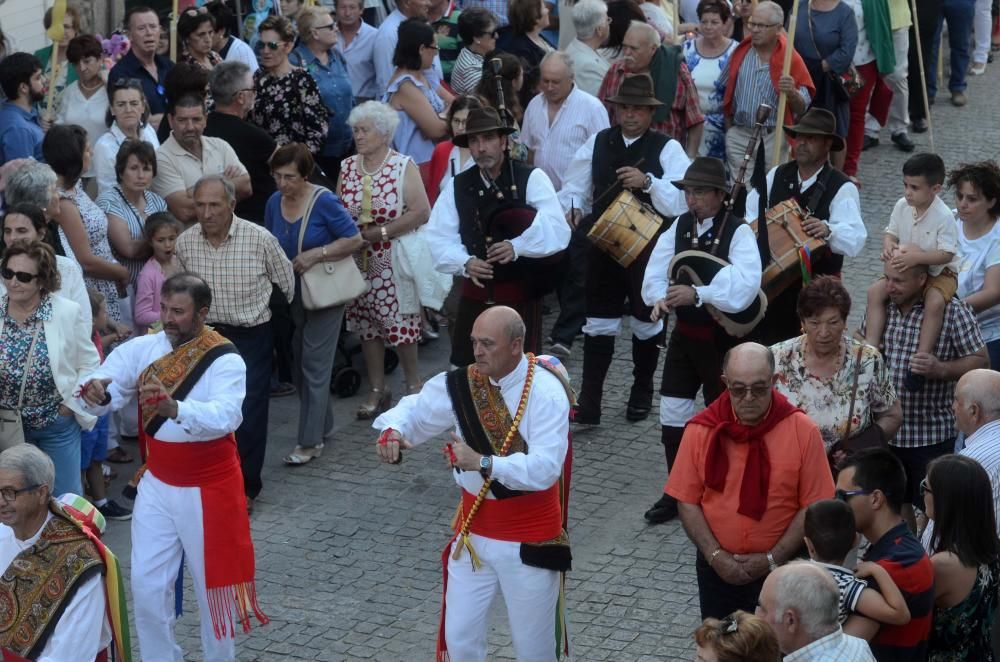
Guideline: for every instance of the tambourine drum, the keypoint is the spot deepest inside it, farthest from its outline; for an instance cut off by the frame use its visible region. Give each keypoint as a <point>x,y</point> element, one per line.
<point>785,237</point>
<point>625,228</point>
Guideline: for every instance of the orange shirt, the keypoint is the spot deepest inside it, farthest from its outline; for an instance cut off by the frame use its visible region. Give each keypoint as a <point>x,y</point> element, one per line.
<point>800,475</point>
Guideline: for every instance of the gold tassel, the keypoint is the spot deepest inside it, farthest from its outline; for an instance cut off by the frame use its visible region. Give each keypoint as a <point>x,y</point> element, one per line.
<point>466,542</point>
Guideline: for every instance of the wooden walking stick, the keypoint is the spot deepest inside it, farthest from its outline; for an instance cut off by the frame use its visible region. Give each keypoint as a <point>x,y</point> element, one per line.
<point>173,33</point>
<point>677,21</point>
<point>923,77</point>
<point>786,67</point>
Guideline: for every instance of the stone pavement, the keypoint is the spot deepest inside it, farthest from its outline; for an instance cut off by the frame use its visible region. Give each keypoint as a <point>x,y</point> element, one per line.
<point>348,549</point>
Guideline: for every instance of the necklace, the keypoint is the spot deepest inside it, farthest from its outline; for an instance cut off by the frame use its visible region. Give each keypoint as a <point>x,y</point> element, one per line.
<point>91,89</point>
<point>364,170</point>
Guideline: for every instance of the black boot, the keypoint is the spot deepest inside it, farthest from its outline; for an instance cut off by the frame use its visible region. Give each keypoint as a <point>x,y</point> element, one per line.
<point>665,509</point>
<point>597,354</point>
<point>645,358</point>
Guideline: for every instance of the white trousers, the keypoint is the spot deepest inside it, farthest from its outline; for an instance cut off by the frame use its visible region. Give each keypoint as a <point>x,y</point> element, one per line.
<point>983,26</point>
<point>610,326</point>
<point>530,594</point>
<point>167,521</point>
<point>899,108</point>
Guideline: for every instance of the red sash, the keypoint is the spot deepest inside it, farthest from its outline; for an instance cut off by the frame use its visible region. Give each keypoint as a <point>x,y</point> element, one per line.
<point>534,517</point>
<point>214,466</point>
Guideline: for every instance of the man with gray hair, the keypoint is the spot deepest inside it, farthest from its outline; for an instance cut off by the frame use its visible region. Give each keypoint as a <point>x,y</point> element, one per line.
<point>231,84</point>
<point>977,416</point>
<point>239,260</point>
<point>592,25</point>
<point>188,155</point>
<point>51,585</point>
<point>801,602</point>
<point>679,114</point>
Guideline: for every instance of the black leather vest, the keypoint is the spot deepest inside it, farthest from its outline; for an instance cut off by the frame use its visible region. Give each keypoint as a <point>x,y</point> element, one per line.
<point>687,239</point>
<point>610,153</point>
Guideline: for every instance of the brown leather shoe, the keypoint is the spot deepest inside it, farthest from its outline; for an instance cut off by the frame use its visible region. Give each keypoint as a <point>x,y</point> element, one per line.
<point>958,99</point>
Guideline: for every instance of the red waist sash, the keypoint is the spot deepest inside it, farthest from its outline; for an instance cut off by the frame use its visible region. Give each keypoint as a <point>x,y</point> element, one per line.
<point>214,467</point>
<point>534,517</point>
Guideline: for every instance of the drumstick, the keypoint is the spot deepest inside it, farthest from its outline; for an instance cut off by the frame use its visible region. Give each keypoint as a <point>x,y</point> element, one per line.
<point>612,187</point>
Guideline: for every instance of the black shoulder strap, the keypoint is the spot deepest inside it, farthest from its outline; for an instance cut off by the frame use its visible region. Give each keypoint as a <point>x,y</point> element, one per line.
<point>190,380</point>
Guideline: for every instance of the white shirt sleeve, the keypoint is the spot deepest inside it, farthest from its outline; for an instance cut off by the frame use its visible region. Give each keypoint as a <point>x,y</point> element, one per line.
<point>71,287</point>
<point>734,287</point>
<point>753,199</point>
<point>77,633</point>
<point>421,416</point>
<point>222,411</point>
<point>667,198</point>
<point>656,280</point>
<point>443,240</point>
<point>549,232</point>
<point>577,187</point>
<point>847,230</point>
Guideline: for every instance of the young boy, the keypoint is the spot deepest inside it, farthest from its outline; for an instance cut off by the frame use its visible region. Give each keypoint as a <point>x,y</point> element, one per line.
<point>94,443</point>
<point>922,231</point>
<point>830,536</point>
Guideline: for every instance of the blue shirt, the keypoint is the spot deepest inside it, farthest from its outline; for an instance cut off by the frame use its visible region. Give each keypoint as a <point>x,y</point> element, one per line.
<point>328,222</point>
<point>130,67</point>
<point>335,90</point>
<point>20,134</point>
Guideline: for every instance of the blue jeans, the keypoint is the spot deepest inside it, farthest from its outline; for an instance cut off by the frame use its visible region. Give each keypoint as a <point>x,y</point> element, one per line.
<point>61,441</point>
<point>959,14</point>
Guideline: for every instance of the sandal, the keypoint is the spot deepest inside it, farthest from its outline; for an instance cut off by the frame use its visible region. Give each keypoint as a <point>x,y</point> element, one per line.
<point>119,455</point>
<point>303,455</point>
<point>412,390</point>
<point>369,410</point>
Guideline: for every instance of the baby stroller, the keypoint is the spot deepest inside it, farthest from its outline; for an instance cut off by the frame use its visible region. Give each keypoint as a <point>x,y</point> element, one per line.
<point>346,379</point>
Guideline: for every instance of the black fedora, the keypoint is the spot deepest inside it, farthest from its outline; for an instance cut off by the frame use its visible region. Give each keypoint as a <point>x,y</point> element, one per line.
<point>704,172</point>
<point>817,122</point>
<point>699,268</point>
<point>636,90</point>
<point>481,120</point>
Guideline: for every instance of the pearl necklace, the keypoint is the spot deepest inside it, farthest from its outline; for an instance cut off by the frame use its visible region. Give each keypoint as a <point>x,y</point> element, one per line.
<point>378,169</point>
<point>91,89</point>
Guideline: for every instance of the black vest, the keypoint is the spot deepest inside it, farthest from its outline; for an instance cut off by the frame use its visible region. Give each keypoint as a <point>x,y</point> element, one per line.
<point>686,239</point>
<point>610,153</point>
<point>786,181</point>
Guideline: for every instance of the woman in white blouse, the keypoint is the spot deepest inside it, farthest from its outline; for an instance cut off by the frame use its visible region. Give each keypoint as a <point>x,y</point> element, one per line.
<point>84,101</point>
<point>127,117</point>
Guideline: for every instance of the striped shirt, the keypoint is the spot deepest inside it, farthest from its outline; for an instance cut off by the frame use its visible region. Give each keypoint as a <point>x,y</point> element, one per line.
<point>113,202</point>
<point>467,72</point>
<point>850,588</point>
<point>754,87</point>
<point>983,446</point>
<point>834,647</point>
<point>240,271</point>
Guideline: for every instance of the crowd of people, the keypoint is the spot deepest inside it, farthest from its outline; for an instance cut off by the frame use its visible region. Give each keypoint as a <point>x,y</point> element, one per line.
<point>189,230</point>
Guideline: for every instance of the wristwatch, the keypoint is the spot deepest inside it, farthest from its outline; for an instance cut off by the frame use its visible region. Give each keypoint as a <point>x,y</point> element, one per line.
<point>771,564</point>
<point>647,184</point>
<point>485,466</point>
<point>697,298</point>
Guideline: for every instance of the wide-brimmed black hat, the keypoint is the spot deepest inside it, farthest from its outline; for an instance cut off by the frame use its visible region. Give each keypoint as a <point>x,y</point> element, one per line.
<point>481,120</point>
<point>636,90</point>
<point>817,122</point>
<point>699,268</point>
<point>704,172</point>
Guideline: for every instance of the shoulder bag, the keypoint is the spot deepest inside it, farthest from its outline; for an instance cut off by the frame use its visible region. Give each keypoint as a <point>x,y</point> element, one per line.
<point>872,436</point>
<point>11,428</point>
<point>328,284</point>
<point>844,85</point>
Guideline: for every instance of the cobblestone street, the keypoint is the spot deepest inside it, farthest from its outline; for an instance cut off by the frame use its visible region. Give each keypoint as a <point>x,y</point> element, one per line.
<point>349,550</point>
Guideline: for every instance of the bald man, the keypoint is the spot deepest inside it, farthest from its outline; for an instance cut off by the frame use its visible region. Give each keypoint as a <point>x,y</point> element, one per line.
<point>977,416</point>
<point>801,603</point>
<point>513,539</point>
<point>748,467</point>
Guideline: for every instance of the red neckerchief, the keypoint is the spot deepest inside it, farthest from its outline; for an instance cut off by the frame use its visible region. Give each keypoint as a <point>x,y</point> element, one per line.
<point>720,417</point>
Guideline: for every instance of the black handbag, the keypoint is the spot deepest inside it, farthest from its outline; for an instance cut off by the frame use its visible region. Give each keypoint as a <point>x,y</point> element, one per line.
<point>871,437</point>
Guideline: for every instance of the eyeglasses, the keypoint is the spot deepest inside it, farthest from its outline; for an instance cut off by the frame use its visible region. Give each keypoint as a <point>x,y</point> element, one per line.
<point>925,487</point>
<point>434,46</point>
<point>273,45</point>
<point>493,34</point>
<point>246,89</point>
<point>844,495</point>
<point>754,25</point>
<point>740,391</point>
<point>21,276</point>
<point>9,494</point>
<point>332,26</point>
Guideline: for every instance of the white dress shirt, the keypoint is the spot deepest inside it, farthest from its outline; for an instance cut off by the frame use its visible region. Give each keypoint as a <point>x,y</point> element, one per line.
<point>88,112</point>
<point>455,165</point>
<point>578,189</point>
<point>359,56</point>
<point>548,233</point>
<point>212,409</point>
<point>732,290</point>
<point>82,630</point>
<point>589,67</point>
<point>545,428</point>
<point>580,116</point>
<point>834,647</point>
<point>387,36</point>
<point>106,151</point>
<point>240,51</point>
<point>847,229</point>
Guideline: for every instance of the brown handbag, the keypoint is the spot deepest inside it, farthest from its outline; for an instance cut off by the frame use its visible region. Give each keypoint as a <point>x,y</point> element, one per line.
<point>872,436</point>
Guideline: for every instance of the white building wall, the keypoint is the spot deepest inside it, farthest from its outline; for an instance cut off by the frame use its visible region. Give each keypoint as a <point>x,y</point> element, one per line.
<point>22,23</point>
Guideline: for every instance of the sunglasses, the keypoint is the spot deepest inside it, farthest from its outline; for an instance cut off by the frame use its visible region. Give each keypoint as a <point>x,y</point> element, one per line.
<point>844,495</point>
<point>493,34</point>
<point>21,276</point>
<point>739,391</point>
<point>273,45</point>
<point>925,487</point>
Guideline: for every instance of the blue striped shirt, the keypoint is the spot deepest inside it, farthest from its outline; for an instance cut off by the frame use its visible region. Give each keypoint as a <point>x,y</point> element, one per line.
<point>754,87</point>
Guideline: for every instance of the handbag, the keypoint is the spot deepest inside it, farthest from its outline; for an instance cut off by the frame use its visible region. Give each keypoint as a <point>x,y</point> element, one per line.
<point>871,437</point>
<point>844,85</point>
<point>11,429</point>
<point>327,284</point>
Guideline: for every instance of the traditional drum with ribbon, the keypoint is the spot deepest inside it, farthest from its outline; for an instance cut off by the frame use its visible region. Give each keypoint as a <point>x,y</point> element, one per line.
<point>625,228</point>
<point>792,249</point>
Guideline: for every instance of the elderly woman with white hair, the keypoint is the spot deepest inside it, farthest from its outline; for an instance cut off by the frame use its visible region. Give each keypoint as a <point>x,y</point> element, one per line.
<point>382,190</point>
<point>592,26</point>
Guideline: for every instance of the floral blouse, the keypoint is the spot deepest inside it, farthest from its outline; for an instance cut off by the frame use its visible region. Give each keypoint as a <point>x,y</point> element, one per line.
<point>40,407</point>
<point>290,108</point>
<point>828,401</point>
<point>962,633</point>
